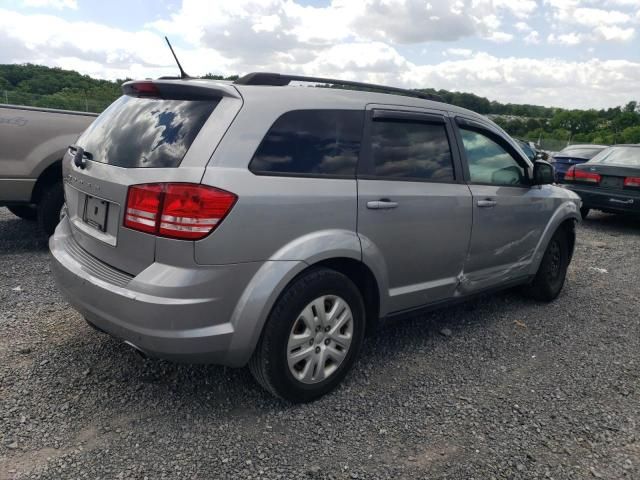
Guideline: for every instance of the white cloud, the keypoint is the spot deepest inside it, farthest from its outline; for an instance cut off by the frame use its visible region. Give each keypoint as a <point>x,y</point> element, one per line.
<point>566,39</point>
<point>533,38</point>
<point>355,40</point>
<point>500,37</point>
<point>613,33</point>
<point>594,17</point>
<point>458,52</point>
<point>57,4</point>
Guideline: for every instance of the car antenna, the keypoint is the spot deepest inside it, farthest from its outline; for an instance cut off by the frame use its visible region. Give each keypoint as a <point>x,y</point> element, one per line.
<point>183,74</point>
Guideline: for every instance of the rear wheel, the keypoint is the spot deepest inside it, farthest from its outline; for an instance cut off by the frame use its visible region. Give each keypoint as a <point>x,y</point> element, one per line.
<point>584,211</point>
<point>549,279</point>
<point>26,212</point>
<point>49,206</point>
<point>312,337</point>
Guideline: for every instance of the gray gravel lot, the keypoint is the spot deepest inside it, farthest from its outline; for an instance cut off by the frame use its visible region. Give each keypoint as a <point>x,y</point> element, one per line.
<point>502,387</point>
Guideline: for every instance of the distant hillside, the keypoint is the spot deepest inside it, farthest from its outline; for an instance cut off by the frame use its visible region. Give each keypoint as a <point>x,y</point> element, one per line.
<point>42,86</point>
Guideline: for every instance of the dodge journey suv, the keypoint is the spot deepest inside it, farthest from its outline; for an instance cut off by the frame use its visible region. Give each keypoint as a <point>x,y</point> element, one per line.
<point>273,225</point>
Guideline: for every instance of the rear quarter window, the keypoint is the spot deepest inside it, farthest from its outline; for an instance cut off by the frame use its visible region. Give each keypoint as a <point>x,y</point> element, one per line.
<point>145,132</point>
<point>311,143</point>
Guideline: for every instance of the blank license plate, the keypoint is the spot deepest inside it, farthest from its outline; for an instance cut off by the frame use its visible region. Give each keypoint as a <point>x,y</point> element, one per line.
<point>611,182</point>
<point>95,213</point>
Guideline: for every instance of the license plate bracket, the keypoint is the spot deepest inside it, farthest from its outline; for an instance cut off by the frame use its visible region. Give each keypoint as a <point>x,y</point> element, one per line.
<point>96,212</point>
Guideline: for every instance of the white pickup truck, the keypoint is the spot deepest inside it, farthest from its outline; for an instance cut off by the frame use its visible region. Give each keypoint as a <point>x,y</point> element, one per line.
<point>32,144</point>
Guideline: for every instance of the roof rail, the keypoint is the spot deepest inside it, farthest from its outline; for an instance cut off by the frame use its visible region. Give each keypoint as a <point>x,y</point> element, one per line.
<point>279,80</point>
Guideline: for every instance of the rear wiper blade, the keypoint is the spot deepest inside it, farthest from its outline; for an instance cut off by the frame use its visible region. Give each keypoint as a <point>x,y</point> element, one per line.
<point>80,156</point>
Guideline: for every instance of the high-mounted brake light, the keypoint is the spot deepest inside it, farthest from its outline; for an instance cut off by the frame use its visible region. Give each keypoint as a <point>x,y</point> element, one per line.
<point>143,89</point>
<point>177,210</point>
<point>633,182</point>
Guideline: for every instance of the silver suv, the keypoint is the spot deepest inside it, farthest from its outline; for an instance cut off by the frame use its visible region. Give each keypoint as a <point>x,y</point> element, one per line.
<point>272,225</point>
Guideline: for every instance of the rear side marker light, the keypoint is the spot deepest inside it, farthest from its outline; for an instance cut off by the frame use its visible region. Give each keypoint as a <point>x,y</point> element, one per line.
<point>632,182</point>
<point>177,210</point>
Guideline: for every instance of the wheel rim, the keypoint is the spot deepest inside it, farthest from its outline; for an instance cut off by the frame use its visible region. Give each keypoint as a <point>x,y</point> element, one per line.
<point>320,339</point>
<point>555,261</point>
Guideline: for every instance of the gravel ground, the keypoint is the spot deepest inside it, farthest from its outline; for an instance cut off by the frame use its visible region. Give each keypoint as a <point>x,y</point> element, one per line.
<point>502,387</point>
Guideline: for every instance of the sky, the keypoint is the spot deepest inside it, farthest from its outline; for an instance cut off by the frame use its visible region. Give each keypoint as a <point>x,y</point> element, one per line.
<point>564,53</point>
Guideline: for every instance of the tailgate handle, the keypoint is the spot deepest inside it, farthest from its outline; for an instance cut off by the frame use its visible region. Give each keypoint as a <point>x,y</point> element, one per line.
<point>382,204</point>
<point>488,203</point>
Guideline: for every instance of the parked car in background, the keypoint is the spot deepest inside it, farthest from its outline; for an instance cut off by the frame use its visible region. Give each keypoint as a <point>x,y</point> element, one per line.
<point>573,155</point>
<point>610,181</point>
<point>34,140</point>
<point>271,225</point>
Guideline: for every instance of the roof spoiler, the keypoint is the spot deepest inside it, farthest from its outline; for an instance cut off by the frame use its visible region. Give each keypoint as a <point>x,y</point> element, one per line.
<point>179,89</point>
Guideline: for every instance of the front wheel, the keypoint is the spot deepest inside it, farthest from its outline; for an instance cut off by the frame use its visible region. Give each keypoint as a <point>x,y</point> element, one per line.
<point>312,337</point>
<point>549,279</point>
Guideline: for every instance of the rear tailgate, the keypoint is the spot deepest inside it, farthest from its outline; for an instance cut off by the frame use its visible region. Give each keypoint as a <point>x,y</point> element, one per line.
<point>165,134</point>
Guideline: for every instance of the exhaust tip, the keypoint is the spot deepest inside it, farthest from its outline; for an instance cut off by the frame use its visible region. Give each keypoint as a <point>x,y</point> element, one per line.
<point>137,349</point>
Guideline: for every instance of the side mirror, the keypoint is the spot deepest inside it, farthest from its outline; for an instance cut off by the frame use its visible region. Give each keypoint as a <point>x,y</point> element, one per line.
<point>543,173</point>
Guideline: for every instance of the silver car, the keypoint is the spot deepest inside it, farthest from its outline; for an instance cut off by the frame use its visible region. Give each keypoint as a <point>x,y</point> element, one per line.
<point>273,225</point>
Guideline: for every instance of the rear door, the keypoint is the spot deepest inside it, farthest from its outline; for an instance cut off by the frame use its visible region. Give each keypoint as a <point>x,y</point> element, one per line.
<point>414,210</point>
<point>166,132</point>
<point>509,216</point>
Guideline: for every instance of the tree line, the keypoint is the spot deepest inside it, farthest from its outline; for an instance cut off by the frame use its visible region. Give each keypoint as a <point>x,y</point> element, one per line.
<point>42,86</point>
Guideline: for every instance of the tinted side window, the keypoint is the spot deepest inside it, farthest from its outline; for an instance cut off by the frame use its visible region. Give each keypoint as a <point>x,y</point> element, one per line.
<point>311,142</point>
<point>489,162</point>
<point>409,149</point>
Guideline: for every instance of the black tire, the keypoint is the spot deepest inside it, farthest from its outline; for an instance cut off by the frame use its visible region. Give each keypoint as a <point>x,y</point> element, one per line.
<point>269,361</point>
<point>549,279</point>
<point>26,212</point>
<point>584,211</point>
<point>49,206</point>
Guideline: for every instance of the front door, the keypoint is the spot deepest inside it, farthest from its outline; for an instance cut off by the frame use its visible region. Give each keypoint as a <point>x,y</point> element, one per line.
<point>509,215</point>
<point>414,209</point>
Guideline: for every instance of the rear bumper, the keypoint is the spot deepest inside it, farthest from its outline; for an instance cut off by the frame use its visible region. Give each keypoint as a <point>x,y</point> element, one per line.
<point>608,200</point>
<point>166,311</point>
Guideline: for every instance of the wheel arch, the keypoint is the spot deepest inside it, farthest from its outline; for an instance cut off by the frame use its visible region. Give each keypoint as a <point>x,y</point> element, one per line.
<point>565,217</point>
<point>269,284</point>
<point>49,176</point>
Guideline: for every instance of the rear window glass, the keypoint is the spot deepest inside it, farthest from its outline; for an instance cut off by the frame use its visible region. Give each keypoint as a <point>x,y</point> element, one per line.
<point>311,142</point>
<point>585,153</point>
<point>623,156</point>
<point>145,132</point>
<point>412,150</point>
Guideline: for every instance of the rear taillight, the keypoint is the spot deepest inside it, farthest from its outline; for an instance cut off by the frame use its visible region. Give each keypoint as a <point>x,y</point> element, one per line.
<point>177,210</point>
<point>143,206</point>
<point>570,175</point>
<point>633,182</point>
<point>582,176</point>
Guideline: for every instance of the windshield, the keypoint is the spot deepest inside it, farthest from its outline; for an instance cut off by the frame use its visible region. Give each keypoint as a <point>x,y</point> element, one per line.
<point>529,152</point>
<point>586,153</point>
<point>145,132</point>
<point>622,156</point>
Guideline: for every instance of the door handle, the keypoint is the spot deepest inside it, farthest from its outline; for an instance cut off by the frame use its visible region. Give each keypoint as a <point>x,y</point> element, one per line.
<point>486,203</point>
<point>382,204</point>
